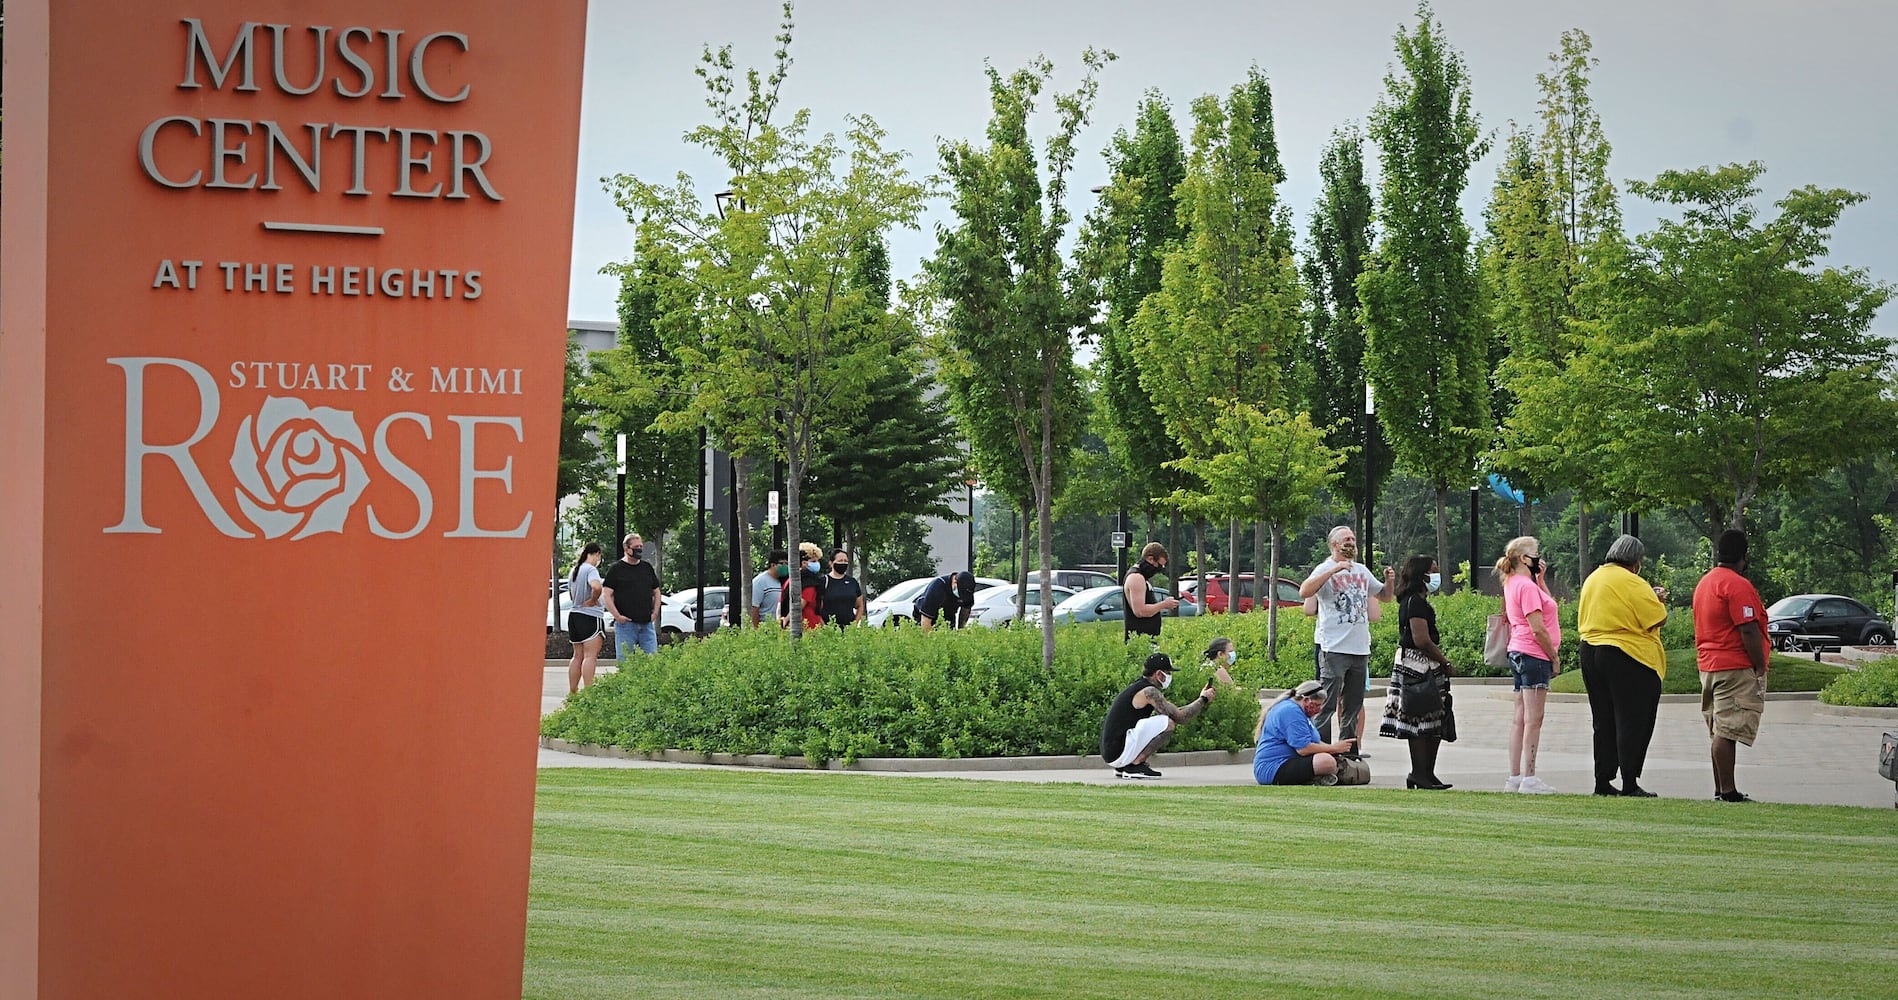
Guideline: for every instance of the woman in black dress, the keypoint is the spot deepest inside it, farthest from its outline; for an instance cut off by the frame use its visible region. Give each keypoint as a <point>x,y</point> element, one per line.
<point>1421,663</point>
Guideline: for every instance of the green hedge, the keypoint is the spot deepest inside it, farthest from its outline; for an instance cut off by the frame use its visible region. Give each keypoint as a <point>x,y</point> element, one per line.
<point>976,693</point>
<point>1786,673</point>
<point>1874,685</point>
<point>883,693</point>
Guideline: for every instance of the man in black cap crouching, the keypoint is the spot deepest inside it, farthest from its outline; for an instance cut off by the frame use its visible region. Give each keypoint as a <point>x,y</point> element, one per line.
<point>1142,720</point>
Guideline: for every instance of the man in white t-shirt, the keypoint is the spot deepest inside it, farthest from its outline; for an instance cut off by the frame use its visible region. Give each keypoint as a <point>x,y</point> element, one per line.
<point>1344,588</point>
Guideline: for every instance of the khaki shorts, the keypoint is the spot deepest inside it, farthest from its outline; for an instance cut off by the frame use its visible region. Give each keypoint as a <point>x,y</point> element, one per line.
<point>1731,702</point>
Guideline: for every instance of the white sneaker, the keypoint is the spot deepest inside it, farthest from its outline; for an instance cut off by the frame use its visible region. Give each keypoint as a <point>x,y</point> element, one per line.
<point>1532,785</point>
<point>1514,784</point>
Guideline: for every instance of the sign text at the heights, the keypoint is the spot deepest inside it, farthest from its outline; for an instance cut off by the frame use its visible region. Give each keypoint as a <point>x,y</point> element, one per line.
<point>302,462</point>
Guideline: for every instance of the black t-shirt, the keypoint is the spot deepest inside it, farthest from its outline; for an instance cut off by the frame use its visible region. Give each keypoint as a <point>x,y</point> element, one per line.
<point>940,596</point>
<point>632,585</point>
<point>1415,606</point>
<point>840,599</point>
<point>1121,717</point>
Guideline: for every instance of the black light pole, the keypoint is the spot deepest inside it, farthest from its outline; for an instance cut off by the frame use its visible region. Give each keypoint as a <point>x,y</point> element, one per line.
<point>732,589</point>
<point>619,520</point>
<point>704,492</point>
<point>1474,494</point>
<point>971,525</point>
<point>1370,479</point>
<point>1120,551</point>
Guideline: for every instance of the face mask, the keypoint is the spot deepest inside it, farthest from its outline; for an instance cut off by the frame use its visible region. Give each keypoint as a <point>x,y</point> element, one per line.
<point>1232,656</point>
<point>782,572</point>
<point>814,567</point>
<point>1434,584</point>
<point>1535,565</point>
<point>1166,681</point>
<point>637,551</point>
<point>843,569</point>
<point>1146,569</point>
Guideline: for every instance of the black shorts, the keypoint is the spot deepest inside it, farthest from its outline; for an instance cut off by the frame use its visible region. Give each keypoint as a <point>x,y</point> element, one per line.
<point>582,626</point>
<point>1297,771</point>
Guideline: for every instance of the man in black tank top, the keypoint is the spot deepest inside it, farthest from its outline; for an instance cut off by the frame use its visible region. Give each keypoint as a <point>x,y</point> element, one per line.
<point>1143,612</point>
<point>1141,720</point>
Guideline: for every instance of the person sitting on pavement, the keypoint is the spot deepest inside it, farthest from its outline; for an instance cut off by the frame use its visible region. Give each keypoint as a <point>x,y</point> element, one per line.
<point>947,599</point>
<point>1290,752</point>
<point>1141,720</point>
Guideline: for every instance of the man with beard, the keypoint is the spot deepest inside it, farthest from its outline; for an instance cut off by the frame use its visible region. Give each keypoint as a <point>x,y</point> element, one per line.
<point>1344,588</point>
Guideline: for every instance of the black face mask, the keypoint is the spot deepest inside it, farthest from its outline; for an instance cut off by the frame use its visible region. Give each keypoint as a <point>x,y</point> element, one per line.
<point>1147,569</point>
<point>843,569</point>
<point>1535,566</point>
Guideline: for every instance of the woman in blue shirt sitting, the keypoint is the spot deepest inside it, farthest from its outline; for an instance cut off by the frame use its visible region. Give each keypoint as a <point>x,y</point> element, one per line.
<point>1289,750</point>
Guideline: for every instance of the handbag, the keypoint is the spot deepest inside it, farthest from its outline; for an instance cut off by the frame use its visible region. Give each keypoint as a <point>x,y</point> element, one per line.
<point>1353,771</point>
<point>1496,642</point>
<point>1419,684</point>
<point>1888,756</point>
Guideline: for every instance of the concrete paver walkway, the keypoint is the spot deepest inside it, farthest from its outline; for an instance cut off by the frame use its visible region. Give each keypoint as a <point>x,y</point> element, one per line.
<point>1803,754</point>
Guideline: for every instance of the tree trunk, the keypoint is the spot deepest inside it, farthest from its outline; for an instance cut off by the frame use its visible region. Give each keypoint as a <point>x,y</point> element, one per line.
<point>1271,605</point>
<point>1199,563</point>
<point>656,555</point>
<point>1443,529</point>
<point>1232,560</point>
<point>793,477</point>
<point>1525,518</point>
<point>742,599</point>
<point>1581,538</point>
<point>1263,588</point>
<point>1172,539</point>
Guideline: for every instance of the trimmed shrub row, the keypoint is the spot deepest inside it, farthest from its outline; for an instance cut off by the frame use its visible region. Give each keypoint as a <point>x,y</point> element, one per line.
<point>1874,685</point>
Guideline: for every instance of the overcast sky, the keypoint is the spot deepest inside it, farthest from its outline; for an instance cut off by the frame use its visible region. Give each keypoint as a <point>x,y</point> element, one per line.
<point>1806,88</point>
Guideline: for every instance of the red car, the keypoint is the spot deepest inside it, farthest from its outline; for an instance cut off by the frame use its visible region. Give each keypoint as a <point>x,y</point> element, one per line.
<point>1218,585</point>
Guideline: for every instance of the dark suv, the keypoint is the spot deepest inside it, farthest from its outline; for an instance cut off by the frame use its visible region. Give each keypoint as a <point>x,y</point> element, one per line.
<point>1805,621</point>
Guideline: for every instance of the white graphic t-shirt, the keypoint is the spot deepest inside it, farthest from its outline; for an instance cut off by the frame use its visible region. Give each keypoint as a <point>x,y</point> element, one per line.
<point>1344,601</point>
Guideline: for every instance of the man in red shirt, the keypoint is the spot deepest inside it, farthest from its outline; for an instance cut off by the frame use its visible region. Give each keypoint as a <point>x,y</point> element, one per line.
<point>1730,648</point>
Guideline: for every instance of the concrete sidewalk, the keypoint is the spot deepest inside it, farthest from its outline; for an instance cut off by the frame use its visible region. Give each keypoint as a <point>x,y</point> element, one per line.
<point>1804,754</point>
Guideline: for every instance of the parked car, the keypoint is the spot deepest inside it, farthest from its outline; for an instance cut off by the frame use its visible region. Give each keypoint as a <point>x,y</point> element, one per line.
<point>711,617</point>
<point>1218,586</point>
<point>1795,622</point>
<point>996,605</point>
<point>1105,604</point>
<point>1075,580</point>
<point>894,605</point>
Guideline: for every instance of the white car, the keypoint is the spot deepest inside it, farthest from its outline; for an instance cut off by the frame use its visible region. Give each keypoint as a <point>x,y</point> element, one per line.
<point>712,617</point>
<point>996,605</point>
<point>895,604</point>
<point>673,619</point>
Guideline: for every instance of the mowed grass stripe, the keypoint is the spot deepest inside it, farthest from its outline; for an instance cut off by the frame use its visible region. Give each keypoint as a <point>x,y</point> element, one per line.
<point>704,883</point>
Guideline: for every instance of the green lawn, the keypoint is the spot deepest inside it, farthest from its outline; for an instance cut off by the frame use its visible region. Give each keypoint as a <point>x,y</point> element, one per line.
<point>1784,673</point>
<point>703,884</point>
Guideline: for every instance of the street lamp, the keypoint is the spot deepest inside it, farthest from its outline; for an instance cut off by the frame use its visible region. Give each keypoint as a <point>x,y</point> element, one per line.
<point>1475,492</point>
<point>619,520</point>
<point>1120,520</point>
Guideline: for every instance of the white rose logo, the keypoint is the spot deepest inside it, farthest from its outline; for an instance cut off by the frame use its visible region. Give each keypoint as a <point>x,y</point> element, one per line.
<point>300,469</point>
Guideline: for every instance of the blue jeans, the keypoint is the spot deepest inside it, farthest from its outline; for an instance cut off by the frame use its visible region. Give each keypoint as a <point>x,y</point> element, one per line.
<point>1530,671</point>
<point>627,635</point>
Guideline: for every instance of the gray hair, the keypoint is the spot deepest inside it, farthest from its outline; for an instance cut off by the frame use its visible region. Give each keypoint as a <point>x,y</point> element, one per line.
<point>1626,551</point>
<point>1332,538</point>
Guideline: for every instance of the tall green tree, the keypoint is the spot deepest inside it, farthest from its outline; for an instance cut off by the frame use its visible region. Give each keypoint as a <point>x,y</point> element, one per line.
<point>1341,236</point>
<point>1016,303</point>
<point>581,463</point>
<point>769,327</point>
<point>1214,337</point>
<point>1137,222</point>
<point>1726,361</point>
<point>624,389</point>
<point>1426,347</point>
<point>1553,215</point>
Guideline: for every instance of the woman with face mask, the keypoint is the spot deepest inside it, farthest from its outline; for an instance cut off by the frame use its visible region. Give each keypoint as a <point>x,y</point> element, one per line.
<point>1425,722</point>
<point>1535,642</point>
<point>1219,655</point>
<point>807,579</point>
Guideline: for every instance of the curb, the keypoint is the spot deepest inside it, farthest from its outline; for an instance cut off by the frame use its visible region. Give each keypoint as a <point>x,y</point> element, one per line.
<point>1854,711</point>
<point>899,765</point>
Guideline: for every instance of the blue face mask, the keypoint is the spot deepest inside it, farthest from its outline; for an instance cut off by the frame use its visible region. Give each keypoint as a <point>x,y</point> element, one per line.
<point>1434,583</point>
<point>814,567</point>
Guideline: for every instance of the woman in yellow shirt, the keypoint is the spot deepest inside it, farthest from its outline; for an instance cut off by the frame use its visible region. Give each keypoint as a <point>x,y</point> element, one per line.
<point>1619,617</point>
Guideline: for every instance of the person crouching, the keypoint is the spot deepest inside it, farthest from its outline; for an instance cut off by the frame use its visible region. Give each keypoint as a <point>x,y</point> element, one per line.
<point>1290,751</point>
<point>1141,720</point>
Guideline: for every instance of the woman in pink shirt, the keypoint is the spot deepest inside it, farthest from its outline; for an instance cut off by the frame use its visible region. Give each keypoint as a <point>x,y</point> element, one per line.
<point>1535,642</point>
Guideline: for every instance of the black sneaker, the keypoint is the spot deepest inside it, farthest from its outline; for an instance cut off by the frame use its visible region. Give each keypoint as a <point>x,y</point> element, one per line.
<point>1634,791</point>
<point>1734,796</point>
<point>1140,770</point>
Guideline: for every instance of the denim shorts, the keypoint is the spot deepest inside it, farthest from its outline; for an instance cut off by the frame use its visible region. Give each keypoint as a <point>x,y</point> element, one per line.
<point>1530,671</point>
